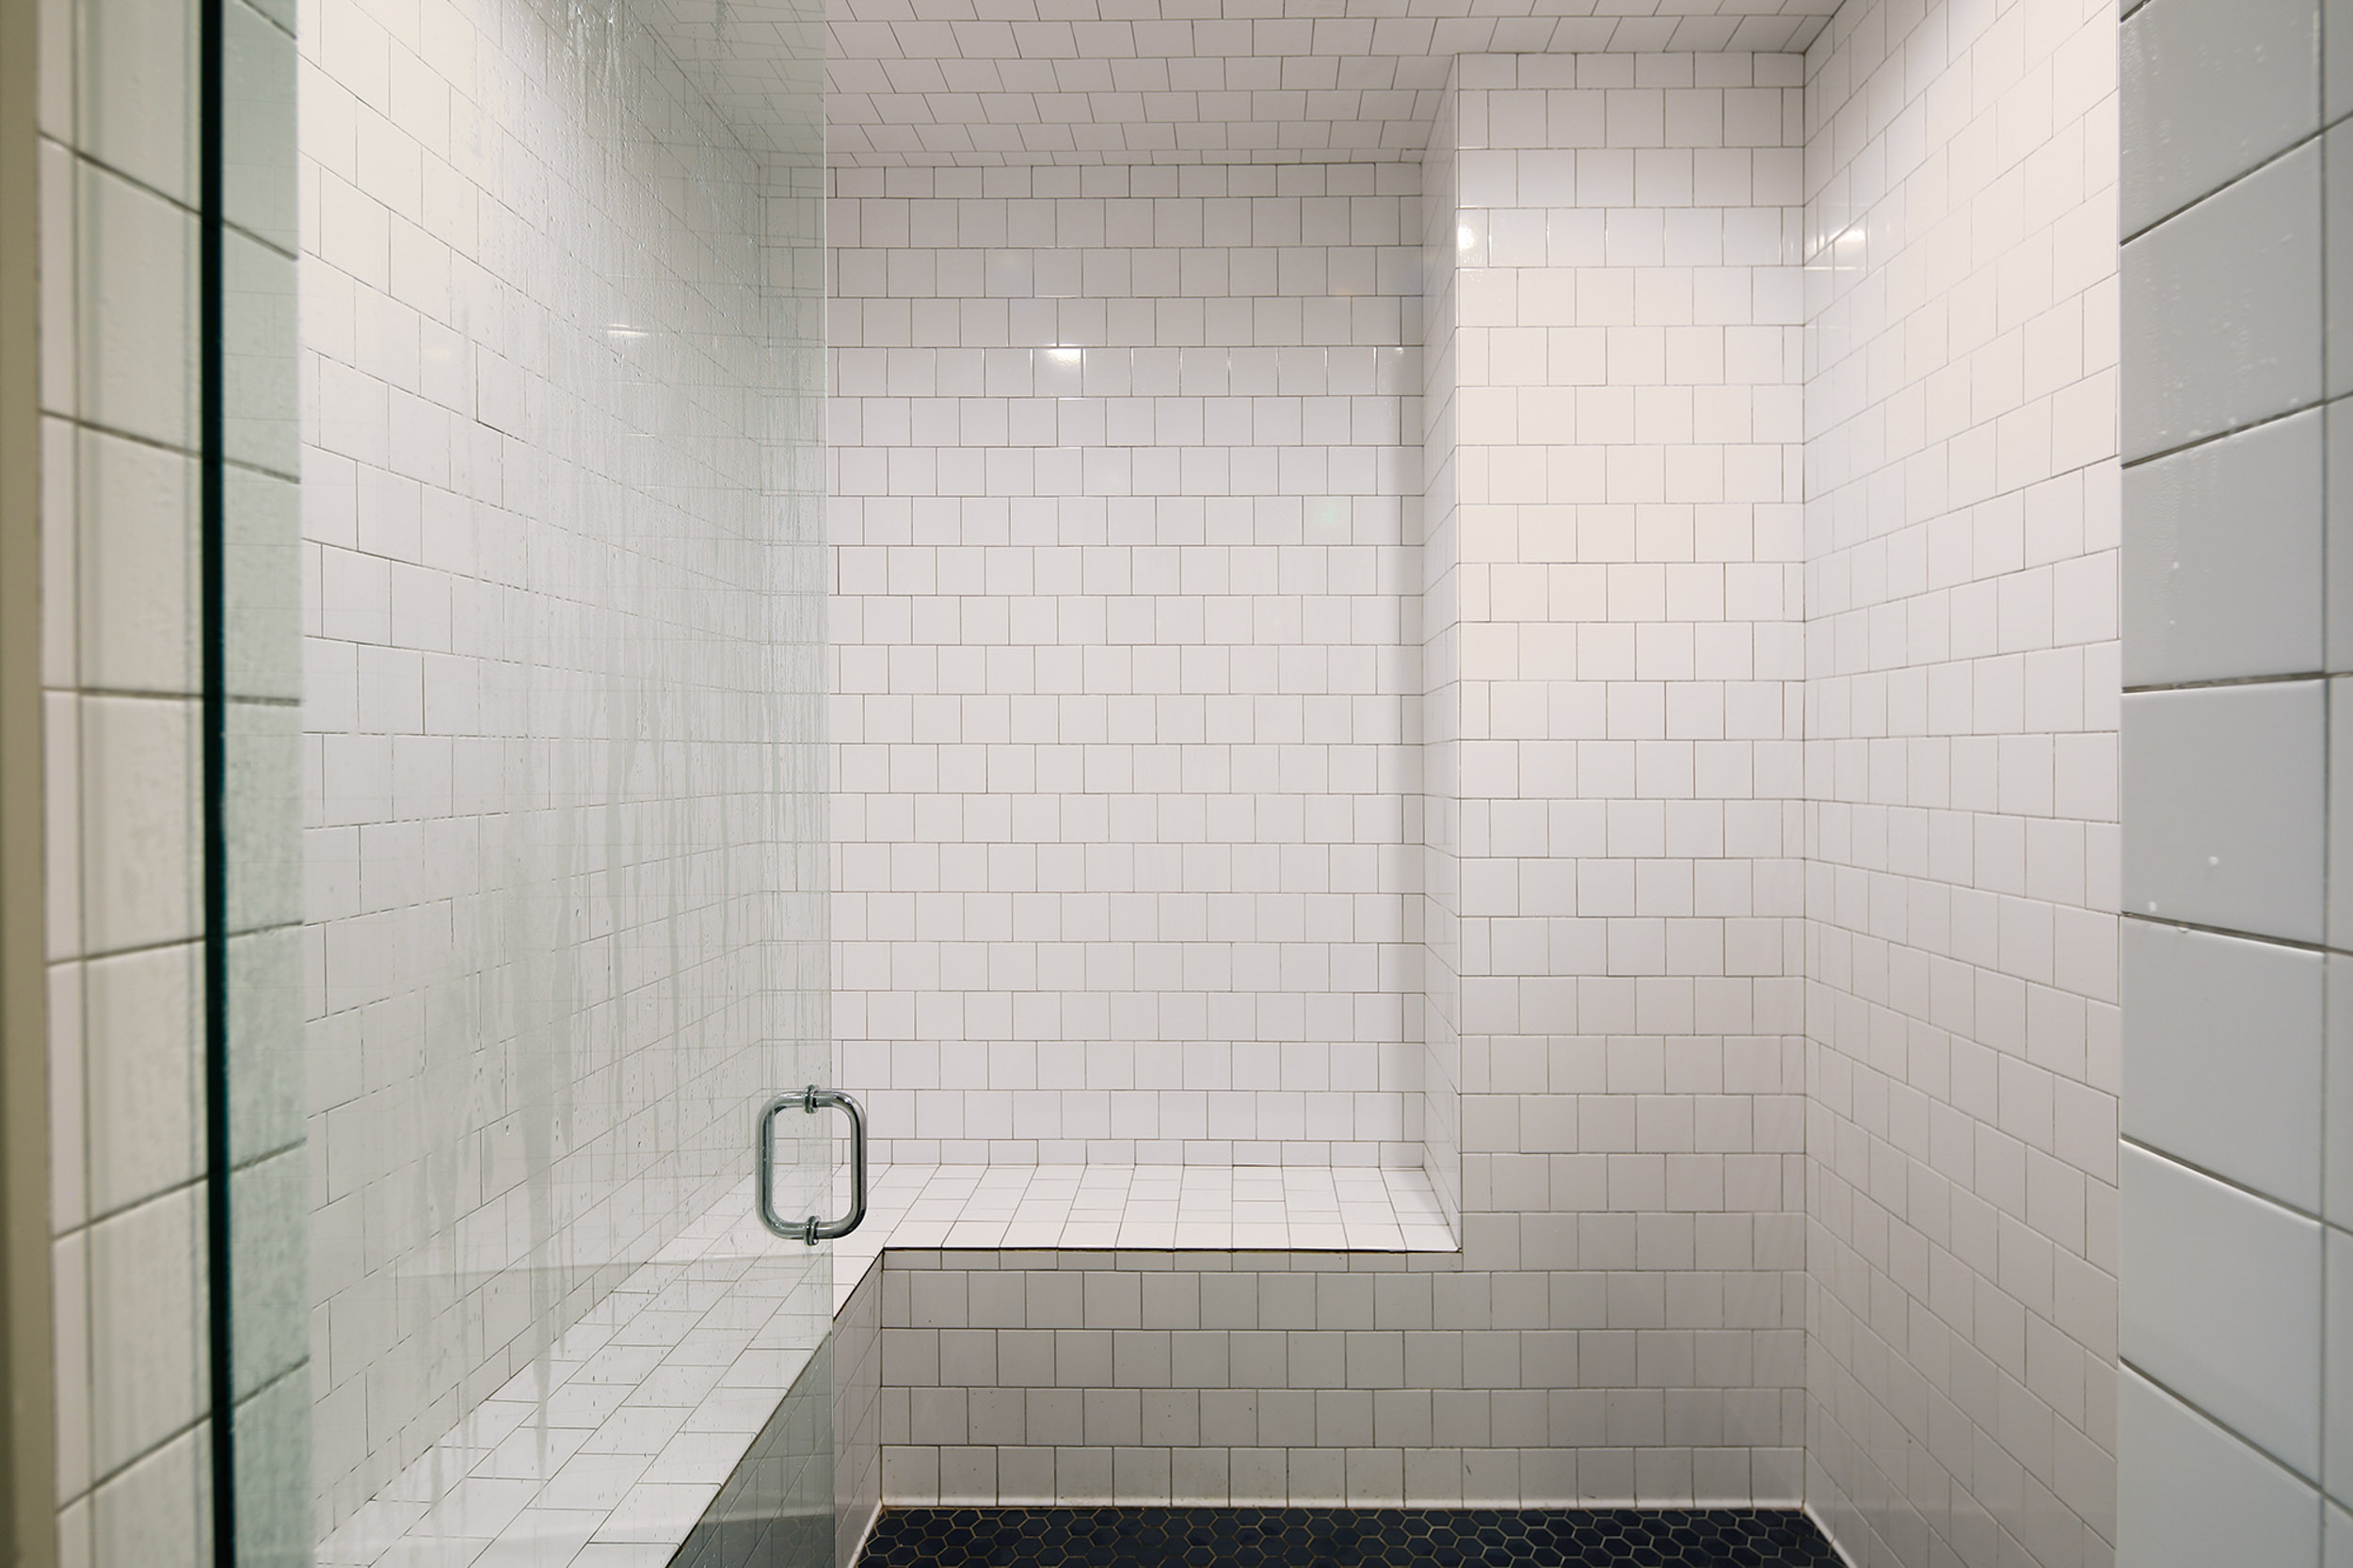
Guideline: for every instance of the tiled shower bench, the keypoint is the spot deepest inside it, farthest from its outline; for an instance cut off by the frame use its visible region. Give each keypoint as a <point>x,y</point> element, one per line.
<point>656,1419</point>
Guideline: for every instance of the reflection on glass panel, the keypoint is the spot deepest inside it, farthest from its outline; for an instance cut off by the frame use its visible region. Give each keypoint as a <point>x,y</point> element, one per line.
<point>534,656</point>
<point>775,1509</point>
<point>261,1300</point>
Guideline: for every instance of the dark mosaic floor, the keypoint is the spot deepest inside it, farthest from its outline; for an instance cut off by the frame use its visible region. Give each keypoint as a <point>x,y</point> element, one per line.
<point>1343,1538</point>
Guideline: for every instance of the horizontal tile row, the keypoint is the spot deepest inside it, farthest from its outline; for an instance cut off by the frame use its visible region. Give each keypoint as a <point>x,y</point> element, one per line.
<point>1307,1476</point>
<point>1238,88</point>
<point>1117,182</point>
<point>1029,225</point>
<point>1287,1152</point>
<point>1118,1209</point>
<point>1707,1316</point>
<point>1371,317</point>
<point>1411,1417</point>
<point>1264,278</point>
<point>2233,1331</point>
<point>1963,503</point>
<point>1192,383</point>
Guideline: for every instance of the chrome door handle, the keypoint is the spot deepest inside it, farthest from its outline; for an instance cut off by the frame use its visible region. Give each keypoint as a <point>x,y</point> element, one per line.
<point>812,1230</point>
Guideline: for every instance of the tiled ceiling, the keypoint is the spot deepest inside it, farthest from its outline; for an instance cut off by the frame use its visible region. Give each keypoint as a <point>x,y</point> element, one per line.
<point>757,62</point>
<point>984,82</point>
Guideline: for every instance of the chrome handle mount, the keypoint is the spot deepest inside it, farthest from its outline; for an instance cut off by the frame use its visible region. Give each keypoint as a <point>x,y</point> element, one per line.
<point>812,1230</point>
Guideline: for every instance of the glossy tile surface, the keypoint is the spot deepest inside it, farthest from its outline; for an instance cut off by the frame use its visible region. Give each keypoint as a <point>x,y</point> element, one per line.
<point>2209,93</point>
<point>1225,82</point>
<point>620,1436</point>
<point>2223,1053</point>
<point>1125,499</point>
<point>1155,1208</point>
<point>776,1510</point>
<point>2222,557</point>
<point>2224,797</point>
<point>2190,1495</point>
<point>562,750</point>
<point>633,1422</point>
<point>1960,796</point>
<point>2237,196</point>
<point>2220,1302</point>
<point>2221,311</point>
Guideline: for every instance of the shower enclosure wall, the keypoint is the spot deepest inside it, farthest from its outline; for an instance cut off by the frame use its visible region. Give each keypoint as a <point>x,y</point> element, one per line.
<point>1813,1194</point>
<point>481,789</point>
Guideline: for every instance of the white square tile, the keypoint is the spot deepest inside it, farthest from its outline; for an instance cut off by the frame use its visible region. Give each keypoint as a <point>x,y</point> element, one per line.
<point>2222,546</point>
<point>139,803</point>
<point>138,568</point>
<point>60,521</point>
<point>2223,1056</point>
<point>158,1511</point>
<point>2337,1111</point>
<point>2217,331</point>
<point>2337,1357</point>
<point>135,310</point>
<point>2207,95</point>
<point>135,91</point>
<point>2213,834</point>
<point>147,1327</point>
<point>69,1284</point>
<point>2190,1492</point>
<point>142,1042</point>
<point>2220,1298</point>
<point>60,244</point>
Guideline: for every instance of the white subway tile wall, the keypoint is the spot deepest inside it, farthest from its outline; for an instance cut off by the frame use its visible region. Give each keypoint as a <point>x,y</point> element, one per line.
<point>121,672</point>
<point>857,1413</point>
<point>1208,1379</point>
<point>562,724</point>
<point>1215,81</point>
<point>1125,491</point>
<point>1142,1209</point>
<point>1614,645</point>
<point>1629,1169</point>
<point>623,1433</point>
<point>2236,1333</point>
<point>1961,780</point>
<point>1648,759</point>
<point>1441,620</point>
<point>1620,579</point>
<point>2190,1494</point>
<point>2224,1307</point>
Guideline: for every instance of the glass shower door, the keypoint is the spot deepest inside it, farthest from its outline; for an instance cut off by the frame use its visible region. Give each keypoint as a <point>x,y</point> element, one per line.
<point>535,659</point>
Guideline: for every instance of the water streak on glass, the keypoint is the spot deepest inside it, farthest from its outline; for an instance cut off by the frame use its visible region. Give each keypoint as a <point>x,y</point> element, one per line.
<point>561,774</point>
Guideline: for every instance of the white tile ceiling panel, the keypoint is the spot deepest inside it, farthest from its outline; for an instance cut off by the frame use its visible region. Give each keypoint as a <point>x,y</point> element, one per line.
<point>986,82</point>
<point>758,61</point>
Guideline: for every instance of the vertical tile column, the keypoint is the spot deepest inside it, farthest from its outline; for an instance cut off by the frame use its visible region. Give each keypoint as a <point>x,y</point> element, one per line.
<point>1612,651</point>
<point>2235,1415</point>
<point>1961,780</point>
<point>123,624</point>
<point>1441,622</point>
<point>122,742</point>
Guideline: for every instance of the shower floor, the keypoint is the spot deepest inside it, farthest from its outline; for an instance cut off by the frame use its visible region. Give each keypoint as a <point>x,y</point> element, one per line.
<point>1344,1538</point>
<point>604,1453</point>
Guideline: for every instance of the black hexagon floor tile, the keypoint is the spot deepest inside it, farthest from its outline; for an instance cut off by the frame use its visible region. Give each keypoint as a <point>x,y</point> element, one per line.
<point>1345,1538</point>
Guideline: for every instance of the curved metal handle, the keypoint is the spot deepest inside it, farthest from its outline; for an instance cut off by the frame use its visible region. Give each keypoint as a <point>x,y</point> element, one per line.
<point>812,1230</point>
